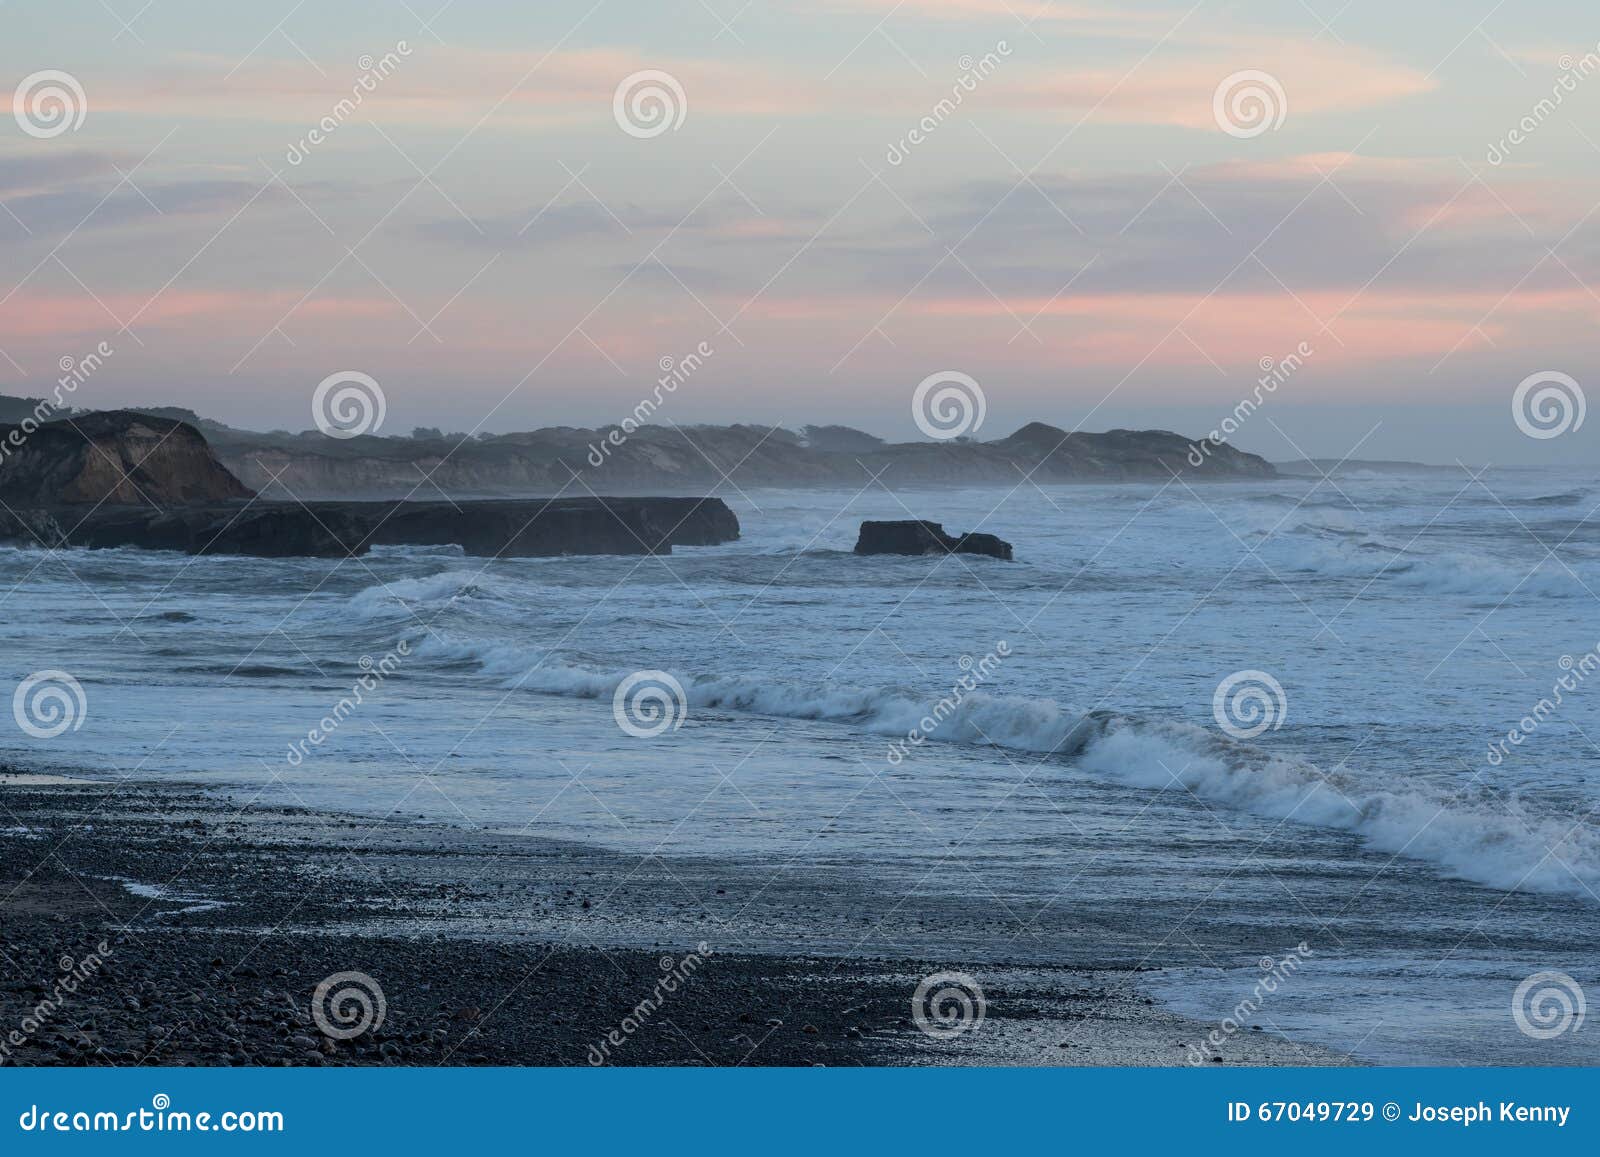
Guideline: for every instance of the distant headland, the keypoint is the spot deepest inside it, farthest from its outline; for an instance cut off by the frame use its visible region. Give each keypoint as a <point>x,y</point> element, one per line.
<point>674,459</point>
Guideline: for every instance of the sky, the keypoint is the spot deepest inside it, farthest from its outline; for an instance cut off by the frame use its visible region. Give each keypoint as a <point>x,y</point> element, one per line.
<point>838,199</point>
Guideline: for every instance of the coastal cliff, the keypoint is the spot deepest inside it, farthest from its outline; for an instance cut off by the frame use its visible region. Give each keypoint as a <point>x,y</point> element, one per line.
<point>669,459</point>
<point>113,457</point>
<point>649,459</point>
<point>121,478</point>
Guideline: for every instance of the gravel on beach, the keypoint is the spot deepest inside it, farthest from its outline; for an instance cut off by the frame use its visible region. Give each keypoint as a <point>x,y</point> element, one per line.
<point>160,925</point>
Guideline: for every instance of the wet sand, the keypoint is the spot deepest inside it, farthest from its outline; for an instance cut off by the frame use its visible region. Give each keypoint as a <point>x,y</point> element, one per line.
<point>195,928</point>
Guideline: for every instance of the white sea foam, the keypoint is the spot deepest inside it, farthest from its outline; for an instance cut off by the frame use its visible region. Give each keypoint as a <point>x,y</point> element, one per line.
<point>1476,841</point>
<point>434,592</point>
<point>1454,573</point>
<point>1470,839</point>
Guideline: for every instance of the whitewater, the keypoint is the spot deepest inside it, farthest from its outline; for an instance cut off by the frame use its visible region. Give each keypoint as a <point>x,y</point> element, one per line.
<point>1032,734</point>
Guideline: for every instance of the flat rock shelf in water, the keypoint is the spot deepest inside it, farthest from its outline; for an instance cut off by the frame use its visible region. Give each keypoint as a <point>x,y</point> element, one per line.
<point>532,528</point>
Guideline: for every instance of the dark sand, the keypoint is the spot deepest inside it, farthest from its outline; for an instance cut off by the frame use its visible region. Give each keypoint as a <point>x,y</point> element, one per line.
<point>221,916</point>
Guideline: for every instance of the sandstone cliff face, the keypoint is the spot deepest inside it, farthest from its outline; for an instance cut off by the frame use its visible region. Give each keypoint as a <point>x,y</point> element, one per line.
<point>116,457</point>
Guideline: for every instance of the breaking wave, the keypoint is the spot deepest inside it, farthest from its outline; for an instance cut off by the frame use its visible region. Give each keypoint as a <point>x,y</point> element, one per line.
<point>1481,843</point>
<point>1453,573</point>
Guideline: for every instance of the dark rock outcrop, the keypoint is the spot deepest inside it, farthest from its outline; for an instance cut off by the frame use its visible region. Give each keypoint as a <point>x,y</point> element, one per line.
<point>539,527</point>
<point>504,529</point>
<point>113,456</point>
<point>121,478</point>
<point>914,536</point>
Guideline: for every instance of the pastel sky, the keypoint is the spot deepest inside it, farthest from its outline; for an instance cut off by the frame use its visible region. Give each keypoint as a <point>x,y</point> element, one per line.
<point>1081,233</point>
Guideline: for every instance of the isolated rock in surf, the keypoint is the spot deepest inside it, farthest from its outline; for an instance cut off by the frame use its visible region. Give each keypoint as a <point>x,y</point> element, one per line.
<point>914,536</point>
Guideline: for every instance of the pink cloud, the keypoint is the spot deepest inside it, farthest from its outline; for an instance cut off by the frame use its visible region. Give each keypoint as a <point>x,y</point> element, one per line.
<point>1104,18</point>
<point>53,316</point>
<point>1178,87</point>
<point>436,84</point>
<point>1235,330</point>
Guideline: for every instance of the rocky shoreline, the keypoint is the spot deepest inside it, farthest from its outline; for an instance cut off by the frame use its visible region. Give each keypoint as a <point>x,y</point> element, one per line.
<point>195,929</point>
<point>121,478</point>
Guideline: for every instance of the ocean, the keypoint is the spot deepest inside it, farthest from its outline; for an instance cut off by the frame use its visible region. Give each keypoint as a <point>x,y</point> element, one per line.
<point>1397,772</point>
